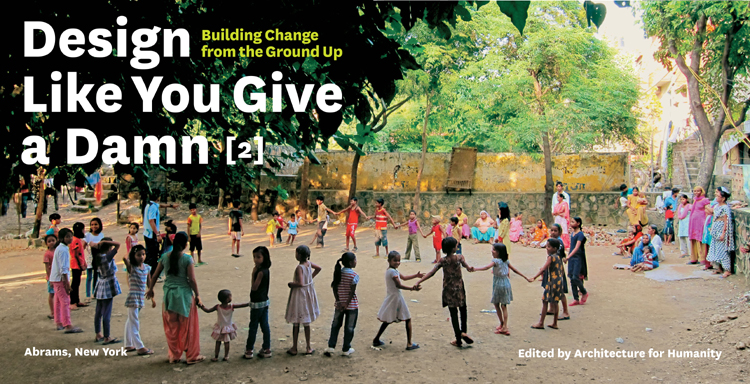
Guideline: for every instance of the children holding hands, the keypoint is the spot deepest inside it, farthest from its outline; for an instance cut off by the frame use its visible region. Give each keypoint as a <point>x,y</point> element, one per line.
<point>438,233</point>
<point>225,330</point>
<point>394,308</point>
<point>139,276</point>
<point>259,303</point>
<point>352,221</point>
<point>553,290</point>
<point>302,306</point>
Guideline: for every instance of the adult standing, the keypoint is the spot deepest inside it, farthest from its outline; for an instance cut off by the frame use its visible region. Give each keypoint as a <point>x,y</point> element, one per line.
<point>566,196</point>
<point>179,310</point>
<point>561,212</point>
<point>697,222</point>
<point>722,234</point>
<point>151,222</point>
<point>577,268</point>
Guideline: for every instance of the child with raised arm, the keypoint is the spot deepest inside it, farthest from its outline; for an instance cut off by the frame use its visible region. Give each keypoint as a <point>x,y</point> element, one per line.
<point>344,287</point>
<point>394,307</point>
<point>225,330</point>
<point>107,287</point>
<point>259,303</point>
<point>271,228</point>
<point>381,227</point>
<point>352,221</point>
<point>413,240</point>
<point>454,294</point>
<point>302,306</point>
<point>291,229</point>
<point>195,227</point>
<point>502,294</point>
<point>234,228</point>
<point>553,288</point>
<point>437,239</point>
<point>322,220</point>
<point>139,276</point>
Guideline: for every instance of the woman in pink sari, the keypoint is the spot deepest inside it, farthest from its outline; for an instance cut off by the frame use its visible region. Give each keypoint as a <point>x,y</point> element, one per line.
<point>561,212</point>
<point>697,222</point>
<point>516,227</point>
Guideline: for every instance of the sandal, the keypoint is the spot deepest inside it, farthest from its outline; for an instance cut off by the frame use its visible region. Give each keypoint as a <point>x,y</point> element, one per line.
<point>131,349</point>
<point>309,353</point>
<point>112,341</point>
<point>248,355</point>
<point>50,317</point>
<point>412,347</point>
<point>197,360</point>
<point>214,359</point>
<point>533,327</point>
<point>378,343</point>
<point>290,353</point>
<point>551,326</point>
<point>467,339</point>
<point>74,330</point>
<point>82,305</point>
<point>148,352</point>
<point>456,344</point>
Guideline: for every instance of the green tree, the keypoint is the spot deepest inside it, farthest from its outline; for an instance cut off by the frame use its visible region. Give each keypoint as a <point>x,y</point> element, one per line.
<point>708,41</point>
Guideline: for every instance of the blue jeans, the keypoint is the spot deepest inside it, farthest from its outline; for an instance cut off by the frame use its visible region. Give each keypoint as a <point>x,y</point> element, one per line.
<point>349,325</point>
<point>258,316</point>
<point>91,279</point>
<point>102,316</point>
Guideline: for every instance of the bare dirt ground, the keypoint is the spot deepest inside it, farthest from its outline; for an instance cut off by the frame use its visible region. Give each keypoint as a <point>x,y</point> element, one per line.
<point>693,314</point>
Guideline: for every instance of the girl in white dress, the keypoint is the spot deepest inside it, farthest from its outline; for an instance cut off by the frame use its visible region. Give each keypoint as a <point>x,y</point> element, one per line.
<point>394,307</point>
<point>225,330</point>
<point>302,306</point>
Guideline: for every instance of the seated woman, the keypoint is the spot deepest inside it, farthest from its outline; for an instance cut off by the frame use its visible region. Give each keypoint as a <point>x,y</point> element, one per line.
<point>644,257</point>
<point>539,235</point>
<point>516,227</point>
<point>629,243</point>
<point>483,230</point>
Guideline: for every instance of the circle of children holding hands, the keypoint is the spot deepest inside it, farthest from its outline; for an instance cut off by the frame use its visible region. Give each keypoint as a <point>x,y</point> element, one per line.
<point>181,298</point>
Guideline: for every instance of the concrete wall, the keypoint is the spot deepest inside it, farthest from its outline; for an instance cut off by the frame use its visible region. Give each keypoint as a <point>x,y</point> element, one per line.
<point>494,172</point>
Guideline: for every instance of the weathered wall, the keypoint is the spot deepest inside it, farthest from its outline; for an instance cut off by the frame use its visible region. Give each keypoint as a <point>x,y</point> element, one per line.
<point>494,172</point>
<point>741,232</point>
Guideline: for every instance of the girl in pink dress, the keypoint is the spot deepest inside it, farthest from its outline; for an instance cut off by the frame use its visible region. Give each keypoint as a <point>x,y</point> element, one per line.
<point>697,222</point>
<point>561,212</point>
<point>516,227</point>
<point>225,330</point>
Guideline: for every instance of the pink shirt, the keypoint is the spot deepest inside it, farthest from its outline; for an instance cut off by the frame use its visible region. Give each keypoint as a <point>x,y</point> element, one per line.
<point>698,218</point>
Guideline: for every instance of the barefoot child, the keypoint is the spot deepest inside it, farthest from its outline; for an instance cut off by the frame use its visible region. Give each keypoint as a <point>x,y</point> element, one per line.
<point>302,306</point>
<point>107,287</point>
<point>352,221</point>
<point>555,231</point>
<point>344,287</point>
<point>271,229</point>
<point>413,240</point>
<point>195,226</point>
<point>225,330</point>
<point>291,229</point>
<point>49,254</point>
<point>394,307</point>
<point>553,288</point>
<point>502,294</point>
<point>259,303</point>
<point>454,295</point>
<point>58,276</point>
<point>381,227</point>
<point>139,275</point>
<point>437,239</point>
<point>234,228</point>
<point>131,239</point>
<point>454,231</point>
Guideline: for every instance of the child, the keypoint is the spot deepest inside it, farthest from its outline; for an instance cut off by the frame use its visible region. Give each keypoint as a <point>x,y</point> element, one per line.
<point>454,295</point>
<point>555,232</point>
<point>394,307</point>
<point>106,289</point>
<point>553,269</point>
<point>577,268</point>
<point>280,222</point>
<point>683,218</point>
<point>92,238</point>
<point>49,254</point>
<point>351,222</point>
<point>381,227</point>
<point>131,239</point>
<point>259,303</point>
<point>77,265</point>
<point>668,231</point>
<point>271,229</point>
<point>656,242</point>
<point>502,294</point>
<point>413,240</point>
<point>58,276</point>
<point>516,227</point>
<point>195,226</point>
<point>235,228</point>
<point>454,231</point>
<point>437,239</point>
<point>291,229</point>
<point>540,234</point>
<point>139,275</point>
<point>302,306</point>
<point>502,224</point>
<point>627,244</point>
<point>54,220</point>
<point>225,330</point>
<point>322,220</point>
<point>643,256</point>
<point>170,230</point>
<point>344,286</point>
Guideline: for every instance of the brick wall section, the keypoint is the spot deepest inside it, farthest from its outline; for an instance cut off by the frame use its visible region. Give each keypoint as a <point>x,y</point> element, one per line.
<point>691,148</point>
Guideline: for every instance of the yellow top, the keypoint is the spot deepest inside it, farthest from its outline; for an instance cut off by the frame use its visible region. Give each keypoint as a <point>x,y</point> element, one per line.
<point>194,224</point>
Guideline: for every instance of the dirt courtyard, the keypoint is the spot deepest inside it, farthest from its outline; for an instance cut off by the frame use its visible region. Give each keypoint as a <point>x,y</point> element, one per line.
<point>694,314</point>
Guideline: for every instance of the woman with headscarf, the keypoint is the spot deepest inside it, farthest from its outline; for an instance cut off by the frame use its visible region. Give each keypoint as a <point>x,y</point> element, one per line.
<point>695,228</point>
<point>484,229</point>
<point>636,211</point>
<point>502,224</point>
<point>722,234</point>
<point>179,311</point>
<point>561,212</point>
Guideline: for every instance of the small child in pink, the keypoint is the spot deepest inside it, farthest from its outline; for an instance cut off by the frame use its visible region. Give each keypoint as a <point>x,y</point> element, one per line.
<point>225,330</point>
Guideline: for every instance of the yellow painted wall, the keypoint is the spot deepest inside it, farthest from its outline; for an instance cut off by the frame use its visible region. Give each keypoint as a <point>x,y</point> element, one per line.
<point>494,172</point>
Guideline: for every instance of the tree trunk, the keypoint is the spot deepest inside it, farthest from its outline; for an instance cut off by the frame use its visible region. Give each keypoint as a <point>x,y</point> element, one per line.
<point>42,201</point>
<point>708,160</point>
<point>416,204</point>
<point>221,199</point>
<point>304,187</point>
<point>548,182</point>
<point>355,166</point>
<point>255,201</point>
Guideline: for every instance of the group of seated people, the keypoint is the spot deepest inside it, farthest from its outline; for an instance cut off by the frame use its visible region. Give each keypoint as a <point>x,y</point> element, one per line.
<point>643,246</point>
